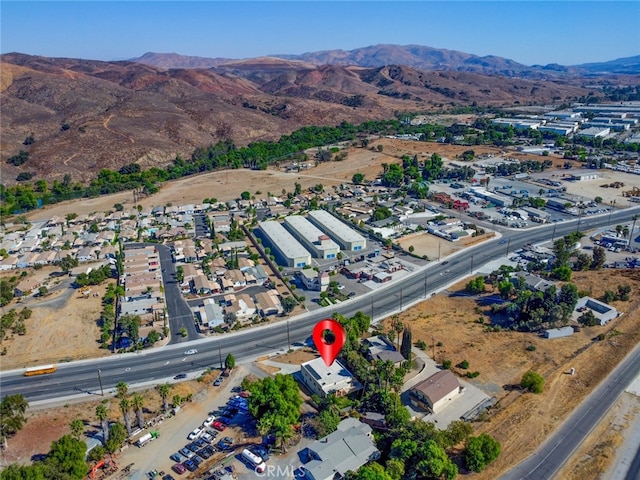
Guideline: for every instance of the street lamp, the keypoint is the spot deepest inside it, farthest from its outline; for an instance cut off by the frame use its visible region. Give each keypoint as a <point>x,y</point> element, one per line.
<point>100,380</point>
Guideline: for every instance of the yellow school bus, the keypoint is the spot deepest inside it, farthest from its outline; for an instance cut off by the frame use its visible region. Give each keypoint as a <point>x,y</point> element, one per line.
<point>45,369</point>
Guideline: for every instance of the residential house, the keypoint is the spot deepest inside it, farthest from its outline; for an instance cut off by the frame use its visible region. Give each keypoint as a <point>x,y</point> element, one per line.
<point>210,314</point>
<point>380,348</point>
<point>268,303</point>
<point>603,312</point>
<point>435,393</point>
<point>323,380</point>
<point>26,287</point>
<point>347,449</point>
<point>243,307</point>
<point>236,278</point>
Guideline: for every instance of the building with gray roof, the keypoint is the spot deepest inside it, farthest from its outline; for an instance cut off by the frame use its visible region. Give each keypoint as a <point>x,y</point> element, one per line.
<point>347,449</point>
<point>343,235</point>
<point>316,241</point>
<point>284,246</point>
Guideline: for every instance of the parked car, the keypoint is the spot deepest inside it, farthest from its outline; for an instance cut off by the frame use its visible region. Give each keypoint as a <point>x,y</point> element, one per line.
<point>195,434</point>
<point>204,453</point>
<point>219,426</point>
<point>197,460</point>
<point>207,437</point>
<point>200,442</point>
<point>179,468</point>
<point>191,466</point>
<point>186,453</point>
<point>218,382</point>
<point>193,447</point>
<point>168,477</point>
<point>209,420</point>
<point>178,457</point>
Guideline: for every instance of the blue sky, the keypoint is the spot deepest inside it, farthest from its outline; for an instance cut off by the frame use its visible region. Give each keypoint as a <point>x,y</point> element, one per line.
<point>530,32</point>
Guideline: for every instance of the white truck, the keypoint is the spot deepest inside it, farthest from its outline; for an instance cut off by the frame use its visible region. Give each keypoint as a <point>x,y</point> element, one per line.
<point>254,460</point>
<point>146,438</point>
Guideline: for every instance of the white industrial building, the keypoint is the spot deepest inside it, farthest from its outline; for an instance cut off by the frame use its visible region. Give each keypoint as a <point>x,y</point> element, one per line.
<point>282,243</point>
<point>495,198</point>
<point>557,128</point>
<point>518,123</point>
<point>563,115</point>
<point>346,237</point>
<point>594,132</point>
<point>316,241</point>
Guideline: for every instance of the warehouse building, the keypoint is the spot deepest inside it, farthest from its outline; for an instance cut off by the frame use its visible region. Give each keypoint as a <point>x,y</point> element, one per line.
<point>286,248</point>
<point>346,237</point>
<point>316,241</point>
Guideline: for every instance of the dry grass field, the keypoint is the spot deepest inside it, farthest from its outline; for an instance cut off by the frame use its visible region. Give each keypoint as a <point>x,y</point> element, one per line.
<point>520,422</point>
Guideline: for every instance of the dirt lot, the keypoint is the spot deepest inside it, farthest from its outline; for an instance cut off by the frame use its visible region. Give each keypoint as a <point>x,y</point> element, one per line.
<point>65,318</point>
<point>228,185</point>
<point>434,247</point>
<point>520,422</point>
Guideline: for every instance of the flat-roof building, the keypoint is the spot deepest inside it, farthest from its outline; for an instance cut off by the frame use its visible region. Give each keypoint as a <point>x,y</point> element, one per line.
<point>593,132</point>
<point>324,380</point>
<point>346,237</point>
<point>287,248</point>
<point>311,237</point>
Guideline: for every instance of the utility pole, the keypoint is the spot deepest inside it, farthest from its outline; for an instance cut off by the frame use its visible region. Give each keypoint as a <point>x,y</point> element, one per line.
<point>433,345</point>
<point>372,308</point>
<point>400,298</point>
<point>100,380</point>
<point>439,245</point>
<point>506,254</point>
<point>553,235</point>
<point>220,354</point>
<point>471,265</point>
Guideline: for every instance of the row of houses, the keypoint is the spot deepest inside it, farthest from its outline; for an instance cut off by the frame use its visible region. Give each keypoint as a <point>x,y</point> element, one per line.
<point>141,280</point>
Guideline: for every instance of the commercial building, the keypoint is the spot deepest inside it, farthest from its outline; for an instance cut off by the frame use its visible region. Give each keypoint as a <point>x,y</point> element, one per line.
<point>347,449</point>
<point>284,246</point>
<point>312,280</point>
<point>346,237</point>
<point>316,241</point>
<point>495,198</point>
<point>434,393</point>
<point>323,380</point>
<point>594,132</point>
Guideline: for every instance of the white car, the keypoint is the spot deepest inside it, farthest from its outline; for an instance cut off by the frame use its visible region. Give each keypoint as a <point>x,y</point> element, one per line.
<point>209,421</point>
<point>193,351</point>
<point>195,434</point>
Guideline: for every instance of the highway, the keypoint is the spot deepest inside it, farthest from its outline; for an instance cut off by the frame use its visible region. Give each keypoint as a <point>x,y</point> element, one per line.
<point>251,343</point>
<point>548,459</point>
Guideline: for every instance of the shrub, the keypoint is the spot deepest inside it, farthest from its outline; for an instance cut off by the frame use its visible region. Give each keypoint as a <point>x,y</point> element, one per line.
<point>421,344</point>
<point>532,381</point>
<point>472,374</point>
<point>463,364</point>
<point>446,364</point>
<point>531,348</point>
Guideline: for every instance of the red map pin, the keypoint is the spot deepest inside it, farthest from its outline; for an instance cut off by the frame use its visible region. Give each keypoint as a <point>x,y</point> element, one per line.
<point>328,351</point>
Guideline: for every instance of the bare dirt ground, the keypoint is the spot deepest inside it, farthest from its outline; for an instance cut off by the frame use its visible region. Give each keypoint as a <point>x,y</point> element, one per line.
<point>296,357</point>
<point>65,318</point>
<point>522,421</point>
<point>434,247</point>
<point>227,185</point>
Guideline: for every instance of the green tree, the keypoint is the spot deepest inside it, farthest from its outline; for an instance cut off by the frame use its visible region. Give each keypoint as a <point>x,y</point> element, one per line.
<point>180,274</point>
<point>121,390</point>
<point>598,258</point>
<point>434,462</point>
<point>67,456</point>
<point>153,336</point>
<point>102,413</point>
<point>289,303</point>
<point>328,421</point>
<point>137,402</point>
<point>12,419</point>
<point>164,390</point>
<point>371,471</point>
<point>230,362</point>
<point>77,428</point>
<point>395,468</point>
<point>357,178</point>
<point>405,348</point>
<point>117,436</point>
<point>125,408</point>
<point>177,400</point>
<point>97,453</point>
<point>245,195</point>
<point>532,381</point>
<point>481,451</point>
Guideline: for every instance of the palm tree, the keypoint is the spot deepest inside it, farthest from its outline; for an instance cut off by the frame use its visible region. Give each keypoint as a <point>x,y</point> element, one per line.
<point>77,428</point>
<point>633,228</point>
<point>121,389</point>
<point>125,406</point>
<point>625,231</point>
<point>163,390</point>
<point>103,416</point>
<point>137,403</point>
<point>177,400</point>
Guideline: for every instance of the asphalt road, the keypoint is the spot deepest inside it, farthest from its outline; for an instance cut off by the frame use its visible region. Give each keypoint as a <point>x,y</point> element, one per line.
<point>546,462</point>
<point>247,345</point>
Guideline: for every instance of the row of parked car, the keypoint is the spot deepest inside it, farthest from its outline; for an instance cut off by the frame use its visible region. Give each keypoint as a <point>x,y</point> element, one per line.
<point>198,450</point>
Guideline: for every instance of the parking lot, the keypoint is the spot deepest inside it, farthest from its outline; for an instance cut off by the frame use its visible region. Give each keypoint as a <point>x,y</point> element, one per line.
<point>215,444</point>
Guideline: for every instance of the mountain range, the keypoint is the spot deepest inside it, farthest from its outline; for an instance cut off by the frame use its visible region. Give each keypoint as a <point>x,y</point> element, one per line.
<point>82,116</point>
<point>416,56</point>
